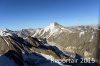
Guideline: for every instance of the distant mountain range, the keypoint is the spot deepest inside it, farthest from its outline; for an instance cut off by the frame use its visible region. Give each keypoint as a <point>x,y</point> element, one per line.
<point>39,47</point>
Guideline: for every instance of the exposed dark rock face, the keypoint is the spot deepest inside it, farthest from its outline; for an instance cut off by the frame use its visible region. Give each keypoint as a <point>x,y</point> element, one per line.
<point>17,57</point>
<point>20,51</point>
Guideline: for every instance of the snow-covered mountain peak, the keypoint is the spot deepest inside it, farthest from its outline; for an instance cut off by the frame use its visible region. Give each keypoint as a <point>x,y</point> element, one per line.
<point>54,27</point>
<point>52,30</point>
<point>4,33</point>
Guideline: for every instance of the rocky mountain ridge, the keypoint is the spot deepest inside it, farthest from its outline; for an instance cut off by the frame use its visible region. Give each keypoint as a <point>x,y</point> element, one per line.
<point>54,41</point>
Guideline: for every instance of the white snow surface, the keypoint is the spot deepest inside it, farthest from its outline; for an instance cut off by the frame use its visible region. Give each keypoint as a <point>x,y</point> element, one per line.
<point>81,33</point>
<point>6,42</point>
<point>53,28</point>
<point>92,37</point>
<point>5,33</point>
<point>38,31</point>
<point>49,57</point>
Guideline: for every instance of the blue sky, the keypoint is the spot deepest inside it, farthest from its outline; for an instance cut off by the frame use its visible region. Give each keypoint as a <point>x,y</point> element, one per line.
<point>18,14</point>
